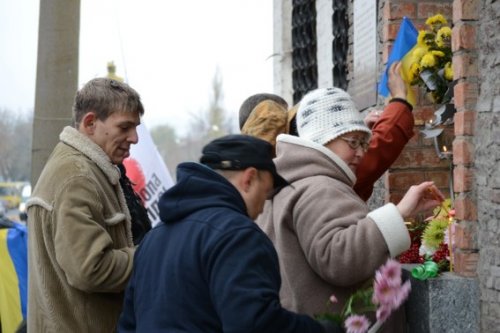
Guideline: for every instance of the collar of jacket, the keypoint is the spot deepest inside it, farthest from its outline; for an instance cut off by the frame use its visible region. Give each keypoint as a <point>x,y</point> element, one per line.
<point>72,137</point>
<point>310,144</point>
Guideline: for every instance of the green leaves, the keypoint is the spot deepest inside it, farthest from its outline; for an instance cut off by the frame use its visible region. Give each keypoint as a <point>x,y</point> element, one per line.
<point>359,302</point>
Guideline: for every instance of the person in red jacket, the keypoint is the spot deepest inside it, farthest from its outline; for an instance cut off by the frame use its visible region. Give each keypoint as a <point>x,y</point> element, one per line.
<point>391,129</point>
<point>390,134</point>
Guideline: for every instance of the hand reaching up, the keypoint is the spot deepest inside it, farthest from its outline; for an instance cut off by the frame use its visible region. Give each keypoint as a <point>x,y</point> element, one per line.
<point>420,198</point>
<point>372,117</point>
<point>396,84</point>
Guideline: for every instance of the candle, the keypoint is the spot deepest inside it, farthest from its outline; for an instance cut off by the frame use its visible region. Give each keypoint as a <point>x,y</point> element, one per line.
<point>445,153</point>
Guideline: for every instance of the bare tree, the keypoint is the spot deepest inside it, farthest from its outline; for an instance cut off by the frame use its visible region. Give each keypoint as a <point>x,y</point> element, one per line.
<point>204,127</point>
<point>211,123</point>
<point>16,132</point>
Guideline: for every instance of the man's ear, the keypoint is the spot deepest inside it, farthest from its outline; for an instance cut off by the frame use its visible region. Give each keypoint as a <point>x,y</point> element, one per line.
<point>248,178</point>
<point>87,124</point>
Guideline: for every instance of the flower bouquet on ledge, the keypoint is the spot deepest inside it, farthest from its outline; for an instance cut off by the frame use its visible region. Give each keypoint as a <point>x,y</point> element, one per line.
<point>431,243</point>
<point>387,294</point>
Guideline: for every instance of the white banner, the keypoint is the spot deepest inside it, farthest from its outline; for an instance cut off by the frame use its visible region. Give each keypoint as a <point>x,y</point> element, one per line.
<point>148,172</point>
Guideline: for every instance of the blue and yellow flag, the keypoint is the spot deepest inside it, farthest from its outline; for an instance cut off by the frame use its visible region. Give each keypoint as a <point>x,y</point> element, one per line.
<point>406,40</point>
<point>13,276</point>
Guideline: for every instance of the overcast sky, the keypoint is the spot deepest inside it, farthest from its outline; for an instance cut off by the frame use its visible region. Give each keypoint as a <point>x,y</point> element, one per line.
<point>167,50</point>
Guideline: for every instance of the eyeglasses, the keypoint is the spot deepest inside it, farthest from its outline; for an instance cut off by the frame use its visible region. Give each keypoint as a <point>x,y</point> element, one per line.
<point>356,143</point>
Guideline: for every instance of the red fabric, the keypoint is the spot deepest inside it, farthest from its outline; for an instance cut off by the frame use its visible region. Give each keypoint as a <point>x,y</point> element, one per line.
<point>390,134</point>
<point>135,174</point>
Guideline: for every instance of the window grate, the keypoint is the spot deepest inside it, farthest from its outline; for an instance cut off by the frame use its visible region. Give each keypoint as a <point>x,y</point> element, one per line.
<point>304,63</point>
<point>340,31</point>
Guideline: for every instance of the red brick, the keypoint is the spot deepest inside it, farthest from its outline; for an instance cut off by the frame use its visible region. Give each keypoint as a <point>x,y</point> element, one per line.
<point>464,66</point>
<point>464,122</point>
<point>402,180</point>
<point>463,151</point>
<point>386,11</point>
<point>464,236</point>
<point>395,197</point>
<point>463,36</point>
<point>420,25</point>
<point>446,138</point>
<point>424,113</point>
<point>395,11</point>
<point>428,9</point>
<point>386,50</point>
<point>390,31</point>
<point>465,209</point>
<point>417,158</point>
<point>465,263</point>
<point>462,179</point>
<point>465,10</point>
<point>440,178</point>
<point>465,94</point>
<point>414,141</point>
<point>417,92</point>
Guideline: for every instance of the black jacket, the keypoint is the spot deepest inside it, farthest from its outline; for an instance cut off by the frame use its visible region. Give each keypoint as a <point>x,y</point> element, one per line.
<point>207,267</point>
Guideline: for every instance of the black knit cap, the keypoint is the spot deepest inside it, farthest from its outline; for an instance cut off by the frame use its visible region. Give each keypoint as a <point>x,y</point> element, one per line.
<point>238,152</point>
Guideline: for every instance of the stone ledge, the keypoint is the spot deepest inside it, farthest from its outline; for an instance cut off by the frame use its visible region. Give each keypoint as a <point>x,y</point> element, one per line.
<point>446,304</point>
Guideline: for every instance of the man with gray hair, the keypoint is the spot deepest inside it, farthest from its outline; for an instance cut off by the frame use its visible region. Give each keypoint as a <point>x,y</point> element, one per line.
<point>80,241</point>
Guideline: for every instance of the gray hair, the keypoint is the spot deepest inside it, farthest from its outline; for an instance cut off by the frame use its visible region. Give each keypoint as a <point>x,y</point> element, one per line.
<point>105,96</point>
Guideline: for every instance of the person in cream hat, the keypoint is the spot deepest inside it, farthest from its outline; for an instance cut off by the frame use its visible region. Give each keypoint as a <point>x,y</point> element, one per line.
<point>328,240</point>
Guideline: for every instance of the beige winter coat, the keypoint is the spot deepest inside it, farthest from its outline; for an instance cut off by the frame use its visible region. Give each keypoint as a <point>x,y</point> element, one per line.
<point>328,241</point>
<point>80,243</point>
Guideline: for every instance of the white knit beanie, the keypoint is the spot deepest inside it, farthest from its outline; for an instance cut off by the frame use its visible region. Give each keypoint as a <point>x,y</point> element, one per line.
<point>327,113</point>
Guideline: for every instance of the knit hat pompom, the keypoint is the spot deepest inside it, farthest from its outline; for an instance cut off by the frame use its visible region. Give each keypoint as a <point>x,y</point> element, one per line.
<point>327,113</point>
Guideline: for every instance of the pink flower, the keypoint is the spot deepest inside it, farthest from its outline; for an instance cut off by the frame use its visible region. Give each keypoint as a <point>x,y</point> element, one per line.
<point>383,312</point>
<point>384,293</point>
<point>402,294</point>
<point>357,324</point>
<point>390,271</point>
<point>333,299</point>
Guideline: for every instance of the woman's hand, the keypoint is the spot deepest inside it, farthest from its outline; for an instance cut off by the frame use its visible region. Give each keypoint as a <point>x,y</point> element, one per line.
<point>396,84</point>
<point>420,198</point>
<point>372,117</point>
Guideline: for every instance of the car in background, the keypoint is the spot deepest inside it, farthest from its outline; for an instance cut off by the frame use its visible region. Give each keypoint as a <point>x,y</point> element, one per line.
<point>10,193</point>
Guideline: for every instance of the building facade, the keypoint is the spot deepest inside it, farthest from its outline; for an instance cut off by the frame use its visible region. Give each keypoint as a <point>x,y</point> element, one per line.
<point>320,43</point>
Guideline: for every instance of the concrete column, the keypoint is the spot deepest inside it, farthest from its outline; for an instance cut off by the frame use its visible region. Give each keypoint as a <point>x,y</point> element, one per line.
<point>324,28</point>
<point>57,76</point>
<point>282,62</point>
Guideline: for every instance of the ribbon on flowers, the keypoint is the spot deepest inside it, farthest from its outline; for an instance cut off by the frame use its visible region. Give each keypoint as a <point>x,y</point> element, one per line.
<point>428,269</point>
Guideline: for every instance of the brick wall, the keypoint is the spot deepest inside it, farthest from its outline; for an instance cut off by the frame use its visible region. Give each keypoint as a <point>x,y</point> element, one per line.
<point>419,161</point>
<point>419,156</point>
<point>474,136</point>
<point>484,16</point>
<point>464,47</point>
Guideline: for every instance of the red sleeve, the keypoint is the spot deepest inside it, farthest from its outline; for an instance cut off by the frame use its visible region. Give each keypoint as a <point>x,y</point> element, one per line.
<point>390,134</point>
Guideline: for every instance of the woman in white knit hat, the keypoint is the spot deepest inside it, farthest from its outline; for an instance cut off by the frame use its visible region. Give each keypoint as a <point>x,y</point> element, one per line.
<point>264,115</point>
<point>328,240</point>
